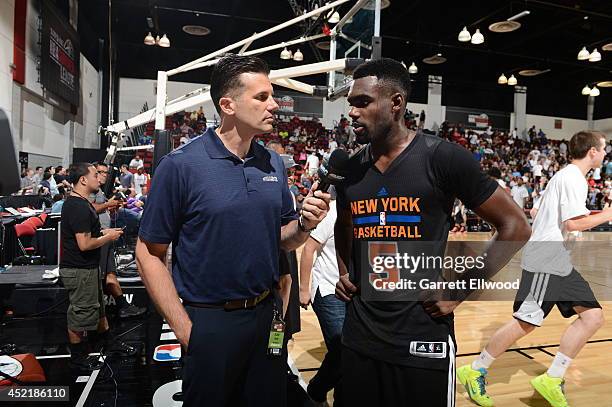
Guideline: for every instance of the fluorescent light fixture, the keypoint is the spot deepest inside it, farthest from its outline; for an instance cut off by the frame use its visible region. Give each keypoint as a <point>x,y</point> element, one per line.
<point>164,42</point>
<point>477,38</point>
<point>298,56</point>
<point>464,35</point>
<point>149,40</point>
<point>595,56</point>
<point>285,54</point>
<point>583,55</point>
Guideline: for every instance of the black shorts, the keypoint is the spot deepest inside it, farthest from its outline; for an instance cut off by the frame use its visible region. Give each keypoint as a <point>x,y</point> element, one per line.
<point>107,259</point>
<point>370,382</point>
<point>538,293</point>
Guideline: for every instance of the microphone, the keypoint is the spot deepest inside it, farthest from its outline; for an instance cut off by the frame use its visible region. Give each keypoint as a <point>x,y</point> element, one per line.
<point>333,170</point>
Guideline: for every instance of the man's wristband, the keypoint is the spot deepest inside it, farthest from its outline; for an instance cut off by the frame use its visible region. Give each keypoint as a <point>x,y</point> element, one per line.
<point>302,227</point>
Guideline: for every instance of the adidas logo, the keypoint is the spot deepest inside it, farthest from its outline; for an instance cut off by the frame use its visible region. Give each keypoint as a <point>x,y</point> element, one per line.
<point>422,348</point>
<point>382,192</point>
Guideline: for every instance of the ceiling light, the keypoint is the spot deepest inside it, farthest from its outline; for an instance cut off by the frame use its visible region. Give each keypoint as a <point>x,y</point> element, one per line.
<point>595,56</point>
<point>502,80</point>
<point>586,91</point>
<point>583,55</point>
<point>477,38</point>
<point>164,42</point>
<point>197,30</point>
<point>512,80</point>
<point>298,56</point>
<point>335,17</point>
<point>464,35</point>
<point>594,91</point>
<point>413,69</point>
<point>285,54</point>
<point>149,40</point>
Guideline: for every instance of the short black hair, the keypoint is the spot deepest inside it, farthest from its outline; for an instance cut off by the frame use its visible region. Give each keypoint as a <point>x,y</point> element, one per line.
<point>495,173</point>
<point>386,70</point>
<point>226,73</point>
<point>46,175</point>
<point>78,170</point>
<point>100,164</point>
<point>38,168</point>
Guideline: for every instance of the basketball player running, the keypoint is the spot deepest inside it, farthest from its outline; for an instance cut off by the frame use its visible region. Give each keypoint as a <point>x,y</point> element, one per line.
<point>549,278</point>
<point>402,352</point>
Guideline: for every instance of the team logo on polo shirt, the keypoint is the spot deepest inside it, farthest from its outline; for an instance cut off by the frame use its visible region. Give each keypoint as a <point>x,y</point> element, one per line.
<point>270,178</point>
<point>167,353</point>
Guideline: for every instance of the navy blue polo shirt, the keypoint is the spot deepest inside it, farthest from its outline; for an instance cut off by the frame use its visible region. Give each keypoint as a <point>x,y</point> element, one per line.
<point>223,216</point>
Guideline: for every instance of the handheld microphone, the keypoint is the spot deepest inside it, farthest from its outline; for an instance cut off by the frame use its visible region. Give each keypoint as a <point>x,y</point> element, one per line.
<point>333,170</point>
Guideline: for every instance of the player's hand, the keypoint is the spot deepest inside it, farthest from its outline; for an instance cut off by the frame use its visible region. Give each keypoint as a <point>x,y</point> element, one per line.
<point>438,309</point>
<point>304,298</point>
<point>345,289</point>
<point>315,207</point>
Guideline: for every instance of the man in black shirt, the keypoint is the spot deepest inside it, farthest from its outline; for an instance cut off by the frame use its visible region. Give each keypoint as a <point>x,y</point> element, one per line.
<point>82,238</point>
<point>398,199</point>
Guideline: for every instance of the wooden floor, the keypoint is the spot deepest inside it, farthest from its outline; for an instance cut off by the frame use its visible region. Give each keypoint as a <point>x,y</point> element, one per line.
<point>588,380</point>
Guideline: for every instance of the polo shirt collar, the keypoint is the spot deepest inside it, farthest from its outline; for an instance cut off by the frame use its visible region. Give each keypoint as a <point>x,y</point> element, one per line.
<point>216,149</point>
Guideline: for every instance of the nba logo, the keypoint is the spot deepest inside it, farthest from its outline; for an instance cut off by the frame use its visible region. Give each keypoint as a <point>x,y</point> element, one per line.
<point>431,347</point>
<point>383,218</point>
<point>167,353</point>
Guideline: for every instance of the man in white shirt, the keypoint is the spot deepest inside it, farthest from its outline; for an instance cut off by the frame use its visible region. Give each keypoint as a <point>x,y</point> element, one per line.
<point>519,193</point>
<point>317,287</point>
<point>536,170</point>
<point>549,277</point>
<point>140,180</point>
<point>136,162</point>
<point>333,144</point>
<point>312,164</point>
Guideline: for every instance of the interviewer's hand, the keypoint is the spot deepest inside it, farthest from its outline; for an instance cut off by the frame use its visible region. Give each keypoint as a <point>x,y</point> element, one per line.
<point>183,334</point>
<point>345,289</point>
<point>315,207</point>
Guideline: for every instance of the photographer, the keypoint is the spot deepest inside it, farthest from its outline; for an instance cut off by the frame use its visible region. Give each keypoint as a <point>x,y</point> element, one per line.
<point>108,266</point>
<point>82,237</point>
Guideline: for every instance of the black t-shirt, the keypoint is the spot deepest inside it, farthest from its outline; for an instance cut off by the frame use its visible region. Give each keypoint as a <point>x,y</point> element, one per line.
<point>410,203</point>
<point>79,216</point>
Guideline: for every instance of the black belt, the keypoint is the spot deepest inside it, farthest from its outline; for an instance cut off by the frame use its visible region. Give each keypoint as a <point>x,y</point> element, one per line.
<point>231,304</point>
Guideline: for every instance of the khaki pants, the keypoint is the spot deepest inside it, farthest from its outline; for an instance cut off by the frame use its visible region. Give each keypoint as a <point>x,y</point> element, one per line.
<point>85,296</point>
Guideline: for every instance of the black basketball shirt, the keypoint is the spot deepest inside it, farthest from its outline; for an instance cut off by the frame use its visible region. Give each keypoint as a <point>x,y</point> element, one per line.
<point>409,205</point>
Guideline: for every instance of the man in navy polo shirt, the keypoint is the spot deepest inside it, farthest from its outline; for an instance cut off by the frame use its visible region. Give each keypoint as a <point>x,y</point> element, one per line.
<point>223,202</point>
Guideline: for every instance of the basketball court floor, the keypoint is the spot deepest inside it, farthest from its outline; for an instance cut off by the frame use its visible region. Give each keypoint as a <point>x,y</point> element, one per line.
<point>144,381</point>
<point>589,379</point>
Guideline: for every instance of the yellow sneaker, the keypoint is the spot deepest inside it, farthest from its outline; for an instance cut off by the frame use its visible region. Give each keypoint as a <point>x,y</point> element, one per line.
<point>475,385</point>
<point>551,388</point>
